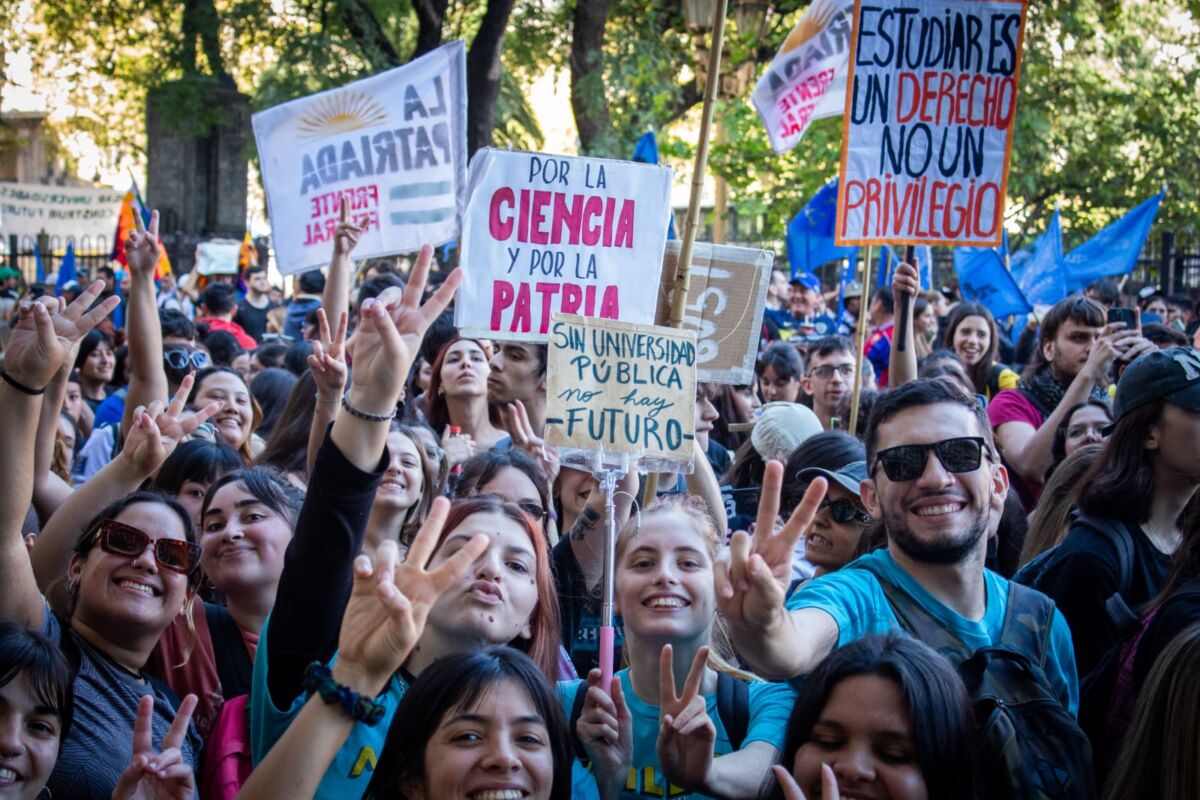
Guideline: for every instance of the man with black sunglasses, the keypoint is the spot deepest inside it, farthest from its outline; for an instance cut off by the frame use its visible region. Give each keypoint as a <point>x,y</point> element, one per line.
<point>934,480</point>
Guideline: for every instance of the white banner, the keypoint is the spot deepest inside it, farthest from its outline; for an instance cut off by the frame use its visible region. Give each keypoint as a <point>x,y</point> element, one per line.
<point>82,215</point>
<point>547,233</point>
<point>394,145</point>
<point>807,78</point>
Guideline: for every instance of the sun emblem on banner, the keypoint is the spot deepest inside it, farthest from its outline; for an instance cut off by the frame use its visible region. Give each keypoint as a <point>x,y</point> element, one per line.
<point>341,112</point>
<point>815,18</point>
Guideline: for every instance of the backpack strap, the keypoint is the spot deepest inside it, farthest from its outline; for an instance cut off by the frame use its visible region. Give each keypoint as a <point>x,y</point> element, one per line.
<point>234,668</point>
<point>1027,622</point>
<point>918,622</point>
<point>733,707</point>
<point>1119,535</point>
<point>576,712</point>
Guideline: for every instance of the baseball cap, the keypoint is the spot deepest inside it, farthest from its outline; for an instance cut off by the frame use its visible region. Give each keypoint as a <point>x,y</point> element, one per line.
<point>1172,375</point>
<point>781,428</point>
<point>849,476</point>
<point>853,289</point>
<point>807,280</point>
<point>8,272</point>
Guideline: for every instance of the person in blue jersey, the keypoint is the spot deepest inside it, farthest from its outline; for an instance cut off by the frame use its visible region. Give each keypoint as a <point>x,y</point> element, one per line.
<point>651,739</point>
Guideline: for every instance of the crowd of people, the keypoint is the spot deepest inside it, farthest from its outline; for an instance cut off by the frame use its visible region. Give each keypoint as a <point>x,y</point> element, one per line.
<point>317,547</point>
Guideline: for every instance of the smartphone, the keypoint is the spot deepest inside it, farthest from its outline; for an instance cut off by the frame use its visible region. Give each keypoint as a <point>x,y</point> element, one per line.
<point>1118,314</point>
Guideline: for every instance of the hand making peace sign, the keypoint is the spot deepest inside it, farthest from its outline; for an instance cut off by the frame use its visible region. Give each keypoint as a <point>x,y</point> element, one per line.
<point>46,332</point>
<point>163,775</point>
<point>686,735</point>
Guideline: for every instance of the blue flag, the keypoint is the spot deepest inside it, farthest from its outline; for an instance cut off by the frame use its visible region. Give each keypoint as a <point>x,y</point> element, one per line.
<point>810,233</point>
<point>983,279</point>
<point>66,270</point>
<point>37,259</point>
<point>844,276</point>
<point>1039,269</point>
<point>1114,250</point>
<point>889,257</point>
<point>646,151</point>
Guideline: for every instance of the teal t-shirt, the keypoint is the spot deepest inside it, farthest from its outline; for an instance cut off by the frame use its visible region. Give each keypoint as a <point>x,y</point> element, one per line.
<point>354,764</point>
<point>855,600</point>
<point>770,706</point>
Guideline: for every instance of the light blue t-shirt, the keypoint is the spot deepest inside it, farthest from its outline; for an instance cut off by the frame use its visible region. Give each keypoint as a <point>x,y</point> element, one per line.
<point>770,706</point>
<point>855,600</point>
<point>354,764</point>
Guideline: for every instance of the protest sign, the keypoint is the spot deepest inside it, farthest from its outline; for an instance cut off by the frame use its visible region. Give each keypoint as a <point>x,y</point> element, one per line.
<point>928,125</point>
<point>218,257</point>
<point>726,296</point>
<point>546,233</point>
<point>82,215</point>
<point>807,78</point>
<point>393,145</point>
<point>616,387</point>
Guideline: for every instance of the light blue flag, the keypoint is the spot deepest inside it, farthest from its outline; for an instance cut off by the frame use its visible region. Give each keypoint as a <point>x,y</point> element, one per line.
<point>810,233</point>
<point>983,279</point>
<point>1114,250</point>
<point>1039,269</point>
<point>37,260</point>
<point>66,270</point>
<point>646,151</point>
<point>890,256</point>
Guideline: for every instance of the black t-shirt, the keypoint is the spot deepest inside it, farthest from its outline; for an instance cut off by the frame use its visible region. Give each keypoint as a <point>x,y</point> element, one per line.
<point>579,609</point>
<point>1178,611</point>
<point>1084,572</point>
<point>253,319</point>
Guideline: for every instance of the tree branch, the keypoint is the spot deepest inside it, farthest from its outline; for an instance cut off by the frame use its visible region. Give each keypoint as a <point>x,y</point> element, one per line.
<point>483,73</point>
<point>376,48</point>
<point>589,103</point>
<point>431,14</point>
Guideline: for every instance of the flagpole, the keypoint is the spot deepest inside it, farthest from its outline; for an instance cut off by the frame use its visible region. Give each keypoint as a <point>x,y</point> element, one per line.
<point>683,272</point>
<point>863,305</point>
<point>901,334</point>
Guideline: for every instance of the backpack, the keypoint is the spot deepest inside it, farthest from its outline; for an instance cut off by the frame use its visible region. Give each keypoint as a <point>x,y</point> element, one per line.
<point>1116,608</point>
<point>227,755</point>
<point>733,709</point>
<point>1029,744</point>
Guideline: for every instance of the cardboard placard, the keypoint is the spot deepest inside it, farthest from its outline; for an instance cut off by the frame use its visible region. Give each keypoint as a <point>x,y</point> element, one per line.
<point>545,234</point>
<point>393,145</point>
<point>218,257</point>
<point>928,126</point>
<point>617,387</point>
<point>727,292</point>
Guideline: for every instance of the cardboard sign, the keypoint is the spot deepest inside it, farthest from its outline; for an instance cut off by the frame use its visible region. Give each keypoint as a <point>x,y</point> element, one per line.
<point>394,145</point>
<point>807,78</point>
<point>545,234</point>
<point>615,387</point>
<point>218,257</point>
<point>727,293</point>
<point>928,125</point>
<point>78,214</point>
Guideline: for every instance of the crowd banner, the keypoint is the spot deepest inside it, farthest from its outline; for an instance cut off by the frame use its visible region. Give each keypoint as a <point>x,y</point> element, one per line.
<point>726,297</point>
<point>548,233</point>
<point>807,78</point>
<point>218,257</point>
<point>616,388</point>
<point>79,214</point>
<point>394,145</point>
<point>928,126</point>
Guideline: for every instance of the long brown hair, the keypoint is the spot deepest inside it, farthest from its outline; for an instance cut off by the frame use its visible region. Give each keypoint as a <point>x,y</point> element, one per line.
<point>1120,485</point>
<point>979,372</point>
<point>1050,519</point>
<point>434,402</point>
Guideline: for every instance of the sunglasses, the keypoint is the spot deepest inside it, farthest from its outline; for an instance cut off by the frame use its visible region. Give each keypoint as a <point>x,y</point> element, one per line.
<point>181,359</point>
<point>533,509</point>
<point>844,512</point>
<point>907,462</point>
<point>177,555</point>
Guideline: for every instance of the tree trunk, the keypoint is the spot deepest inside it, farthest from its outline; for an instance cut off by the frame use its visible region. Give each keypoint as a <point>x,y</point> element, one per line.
<point>589,102</point>
<point>483,74</point>
<point>372,42</point>
<point>431,14</point>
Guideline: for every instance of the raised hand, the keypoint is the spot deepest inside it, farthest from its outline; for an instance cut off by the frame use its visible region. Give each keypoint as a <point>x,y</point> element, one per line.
<point>606,729</point>
<point>158,775</point>
<point>346,237</point>
<point>458,447</point>
<point>792,791</point>
<point>390,603</point>
<point>142,249</point>
<point>158,430</point>
<point>751,577</point>
<point>906,283</point>
<point>685,733</point>
<point>516,420</point>
<point>412,317</point>
<point>47,331</point>
<point>328,359</point>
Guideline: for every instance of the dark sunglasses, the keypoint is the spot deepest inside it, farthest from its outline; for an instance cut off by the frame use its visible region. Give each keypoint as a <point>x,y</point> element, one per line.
<point>176,555</point>
<point>533,509</point>
<point>181,359</point>
<point>844,512</point>
<point>907,462</point>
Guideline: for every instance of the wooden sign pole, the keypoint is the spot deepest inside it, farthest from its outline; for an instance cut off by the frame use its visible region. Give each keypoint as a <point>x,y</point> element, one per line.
<point>863,305</point>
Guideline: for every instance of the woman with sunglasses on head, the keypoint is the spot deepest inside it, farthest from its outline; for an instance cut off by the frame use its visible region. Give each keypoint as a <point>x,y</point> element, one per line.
<point>126,585</point>
<point>511,475</point>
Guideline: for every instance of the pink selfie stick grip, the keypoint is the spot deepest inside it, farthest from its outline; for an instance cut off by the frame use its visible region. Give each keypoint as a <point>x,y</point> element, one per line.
<point>606,660</point>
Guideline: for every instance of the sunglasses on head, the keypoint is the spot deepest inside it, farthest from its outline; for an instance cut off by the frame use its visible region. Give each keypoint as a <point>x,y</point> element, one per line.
<point>177,555</point>
<point>844,511</point>
<point>907,462</point>
<point>182,359</point>
<point>533,509</point>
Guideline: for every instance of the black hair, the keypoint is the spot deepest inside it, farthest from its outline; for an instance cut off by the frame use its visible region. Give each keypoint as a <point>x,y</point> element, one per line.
<point>271,354</point>
<point>223,346</point>
<point>312,282</point>
<point>866,404</point>
<point>208,372</point>
<point>783,359</point>
<point>267,485</point>
<point>922,392</point>
<point>296,359</point>
<point>218,298</point>
<point>1120,485</point>
<point>1058,448</point>
<point>746,470</point>
<point>827,345</point>
<point>30,654</point>
<point>87,540</point>
<point>980,372</point>
<point>195,460</point>
<point>175,325</point>
<point>271,388</point>
<point>830,450</point>
<point>90,341</point>
<point>480,468</point>
<point>287,446</point>
<point>373,287</point>
<point>459,681</point>
<point>939,710</point>
<point>120,359</point>
<point>1076,308</point>
<point>1161,335</point>
<point>441,331</point>
<point>1105,290</point>
<point>253,269</point>
<point>884,295</point>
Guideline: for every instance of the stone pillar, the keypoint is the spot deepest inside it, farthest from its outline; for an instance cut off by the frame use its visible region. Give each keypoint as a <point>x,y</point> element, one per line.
<point>197,173</point>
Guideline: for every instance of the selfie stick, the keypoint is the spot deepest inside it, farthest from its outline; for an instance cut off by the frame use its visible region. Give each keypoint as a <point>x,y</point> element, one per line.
<point>901,333</point>
<point>608,484</point>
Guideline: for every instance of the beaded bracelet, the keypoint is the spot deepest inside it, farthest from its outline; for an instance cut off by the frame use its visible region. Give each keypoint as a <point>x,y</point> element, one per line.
<point>318,679</point>
<point>366,415</point>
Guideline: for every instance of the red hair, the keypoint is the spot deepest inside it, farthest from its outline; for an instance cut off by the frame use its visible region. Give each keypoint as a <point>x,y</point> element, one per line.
<point>545,634</point>
<point>436,411</point>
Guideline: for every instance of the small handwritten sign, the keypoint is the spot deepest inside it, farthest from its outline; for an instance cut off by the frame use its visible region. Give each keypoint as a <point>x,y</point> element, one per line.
<point>617,387</point>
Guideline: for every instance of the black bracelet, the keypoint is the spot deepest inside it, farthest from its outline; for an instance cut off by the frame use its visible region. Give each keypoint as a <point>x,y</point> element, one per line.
<point>366,415</point>
<point>20,387</point>
<point>318,679</point>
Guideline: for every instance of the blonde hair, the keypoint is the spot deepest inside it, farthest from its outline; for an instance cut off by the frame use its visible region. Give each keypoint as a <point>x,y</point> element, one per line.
<point>1160,753</point>
<point>1049,522</point>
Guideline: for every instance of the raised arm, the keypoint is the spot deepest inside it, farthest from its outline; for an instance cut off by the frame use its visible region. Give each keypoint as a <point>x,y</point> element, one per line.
<point>147,379</point>
<point>336,297</point>
<point>42,340</point>
<point>902,366</point>
<point>49,490</point>
<point>328,365</point>
<point>702,482</point>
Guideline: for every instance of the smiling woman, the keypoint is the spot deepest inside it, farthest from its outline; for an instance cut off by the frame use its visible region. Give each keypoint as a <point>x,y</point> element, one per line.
<point>238,414</point>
